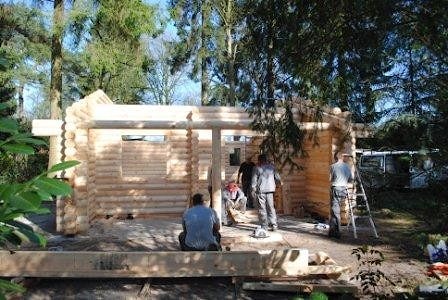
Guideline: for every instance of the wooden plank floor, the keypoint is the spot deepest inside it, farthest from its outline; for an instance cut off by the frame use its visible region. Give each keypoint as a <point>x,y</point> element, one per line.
<point>158,235</point>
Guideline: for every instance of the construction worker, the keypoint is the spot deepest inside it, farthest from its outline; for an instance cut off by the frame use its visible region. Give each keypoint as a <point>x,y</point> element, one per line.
<point>201,228</point>
<point>232,198</point>
<point>340,176</point>
<point>245,173</point>
<point>264,180</point>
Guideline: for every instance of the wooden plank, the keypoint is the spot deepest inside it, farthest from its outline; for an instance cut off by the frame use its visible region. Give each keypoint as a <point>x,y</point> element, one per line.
<point>327,269</point>
<point>299,287</point>
<point>147,210</point>
<point>216,171</point>
<point>136,205</point>
<point>142,198</point>
<point>46,127</point>
<point>169,124</point>
<point>168,190</point>
<point>143,187</point>
<point>290,262</point>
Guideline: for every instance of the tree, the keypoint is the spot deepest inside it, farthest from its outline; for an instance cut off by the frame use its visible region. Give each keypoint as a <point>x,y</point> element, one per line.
<point>339,52</point>
<point>18,199</point>
<point>192,19</point>
<point>162,82</point>
<point>260,44</point>
<point>25,41</point>
<point>56,75</point>
<point>228,31</point>
<point>114,59</point>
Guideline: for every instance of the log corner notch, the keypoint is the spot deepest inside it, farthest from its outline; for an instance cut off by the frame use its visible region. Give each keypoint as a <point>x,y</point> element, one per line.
<point>111,181</point>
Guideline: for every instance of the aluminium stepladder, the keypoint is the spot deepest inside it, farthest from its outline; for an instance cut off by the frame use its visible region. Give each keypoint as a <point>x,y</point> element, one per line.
<point>358,205</point>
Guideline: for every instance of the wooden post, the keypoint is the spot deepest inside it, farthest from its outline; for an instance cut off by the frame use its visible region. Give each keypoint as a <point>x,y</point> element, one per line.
<point>216,170</point>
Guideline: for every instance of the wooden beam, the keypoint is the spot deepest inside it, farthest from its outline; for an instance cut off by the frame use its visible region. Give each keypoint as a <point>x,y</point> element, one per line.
<point>290,262</point>
<point>240,124</point>
<point>328,270</point>
<point>299,287</point>
<point>46,127</point>
<point>168,124</point>
<point>216,171</point>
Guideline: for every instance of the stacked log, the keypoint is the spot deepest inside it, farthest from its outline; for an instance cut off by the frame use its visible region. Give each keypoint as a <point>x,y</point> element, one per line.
<point>317,179</point>
<point>147,178</point>
<point>74,217</point>
<point>204,146</point>
<point>141,177</point>
<point>193,164</point>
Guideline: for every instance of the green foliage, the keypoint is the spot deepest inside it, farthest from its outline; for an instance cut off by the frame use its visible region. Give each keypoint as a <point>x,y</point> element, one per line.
<point>428,205</point>
<point>371,278</point>
<point>114,59</point>
<point>19,199</point>
<point>20,167</point>
<point>194,23</point>
<point>283,140</point>
<point>404,132</point>
<point>7,287</point>
<point>25,44</point>
<point>318,296</point>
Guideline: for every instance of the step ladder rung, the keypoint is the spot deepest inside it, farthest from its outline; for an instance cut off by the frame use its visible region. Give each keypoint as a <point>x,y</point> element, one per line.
<point>359,205</point>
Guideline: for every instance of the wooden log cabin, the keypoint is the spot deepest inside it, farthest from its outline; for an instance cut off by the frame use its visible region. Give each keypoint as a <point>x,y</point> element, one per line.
<point>147,160</point>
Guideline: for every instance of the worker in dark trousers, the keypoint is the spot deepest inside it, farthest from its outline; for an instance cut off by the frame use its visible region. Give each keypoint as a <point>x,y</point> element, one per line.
<point>340,176</point>
<point>245,173</point>
<point>264,180</point>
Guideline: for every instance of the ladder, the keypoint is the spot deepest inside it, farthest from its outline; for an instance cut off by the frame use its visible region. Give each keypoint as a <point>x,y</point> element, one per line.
<point>358,205</point>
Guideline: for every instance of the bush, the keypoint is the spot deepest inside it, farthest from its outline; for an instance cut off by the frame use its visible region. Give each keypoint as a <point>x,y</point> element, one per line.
<point>428,205</point>
<point>21,198</point>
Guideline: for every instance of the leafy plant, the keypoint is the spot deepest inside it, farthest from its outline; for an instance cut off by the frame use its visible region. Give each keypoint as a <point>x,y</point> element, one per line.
<point>369,271</point>
<point>19,199</point>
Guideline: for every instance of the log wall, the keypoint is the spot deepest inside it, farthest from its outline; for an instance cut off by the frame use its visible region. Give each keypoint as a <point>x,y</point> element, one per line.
<point>74,213</point>
<point>317,182</point>
<point>119,176</point>
<point>141,178</point>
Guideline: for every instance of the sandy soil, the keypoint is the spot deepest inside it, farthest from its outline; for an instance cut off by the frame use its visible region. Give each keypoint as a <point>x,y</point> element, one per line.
<point>404,264</point>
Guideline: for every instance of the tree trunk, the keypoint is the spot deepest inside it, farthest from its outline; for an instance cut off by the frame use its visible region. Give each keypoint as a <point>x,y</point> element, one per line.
<point>230,54</point>
<point>270,66</point>
<point>270,71</point>
<point>56,78</point>
<point>204,72</point>
<point>20,109</point>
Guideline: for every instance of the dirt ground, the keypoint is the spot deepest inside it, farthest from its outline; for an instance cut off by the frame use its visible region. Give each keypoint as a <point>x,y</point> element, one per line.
<point>404,264</point>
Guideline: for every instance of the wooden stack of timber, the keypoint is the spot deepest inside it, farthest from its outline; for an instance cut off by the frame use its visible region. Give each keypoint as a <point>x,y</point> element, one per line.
<point>323,275</point>
<point>204,164</point>
<point>156,183</point>
<point>75,217</point>
<point>294,188</point>
<point>317,175</point>
<point>77,211</point>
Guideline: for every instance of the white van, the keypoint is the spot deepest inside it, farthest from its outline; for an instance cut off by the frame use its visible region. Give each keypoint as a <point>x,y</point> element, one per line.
<point>398,169</point>
<point>385,168</point>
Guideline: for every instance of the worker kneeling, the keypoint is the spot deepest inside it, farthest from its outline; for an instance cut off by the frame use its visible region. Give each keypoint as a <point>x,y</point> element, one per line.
<point>201,228</point>
<point>233,202</point>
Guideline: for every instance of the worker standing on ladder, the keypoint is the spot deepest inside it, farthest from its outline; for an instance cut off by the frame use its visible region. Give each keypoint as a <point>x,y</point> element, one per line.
<point>340,176</point>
